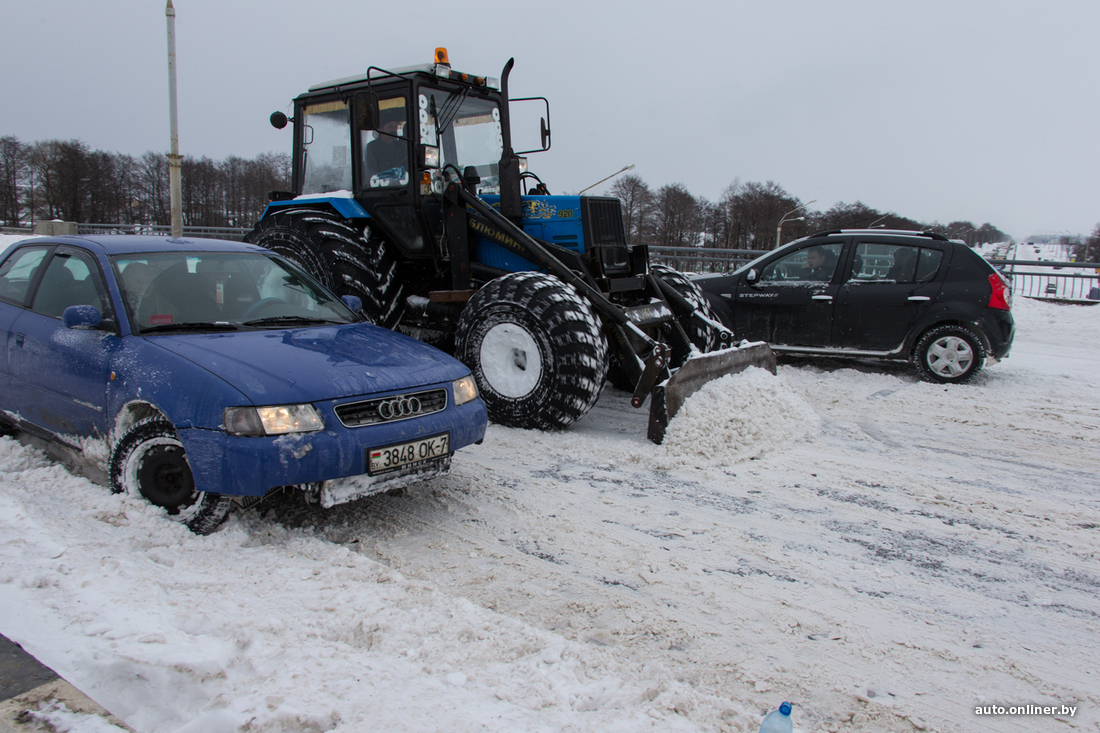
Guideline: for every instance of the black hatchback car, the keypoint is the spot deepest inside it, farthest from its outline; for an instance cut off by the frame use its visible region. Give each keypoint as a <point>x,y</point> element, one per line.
<point>872,293</point>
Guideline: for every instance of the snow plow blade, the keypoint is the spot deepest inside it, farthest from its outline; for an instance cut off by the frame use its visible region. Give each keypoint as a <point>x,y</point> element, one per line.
<point>667,398</point>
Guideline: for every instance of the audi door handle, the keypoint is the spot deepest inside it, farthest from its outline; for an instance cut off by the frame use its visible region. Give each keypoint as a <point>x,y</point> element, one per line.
<point>919,298</point>
<point>19,340</point>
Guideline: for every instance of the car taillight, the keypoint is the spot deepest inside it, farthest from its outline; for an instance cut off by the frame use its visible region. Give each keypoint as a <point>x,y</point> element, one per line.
<point>1001,297</point>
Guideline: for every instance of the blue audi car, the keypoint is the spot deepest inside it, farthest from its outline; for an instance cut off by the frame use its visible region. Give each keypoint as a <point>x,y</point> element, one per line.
<point>215,371</point>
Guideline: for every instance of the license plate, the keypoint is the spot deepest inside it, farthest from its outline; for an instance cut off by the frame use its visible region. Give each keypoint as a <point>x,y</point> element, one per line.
<point>383,460</point>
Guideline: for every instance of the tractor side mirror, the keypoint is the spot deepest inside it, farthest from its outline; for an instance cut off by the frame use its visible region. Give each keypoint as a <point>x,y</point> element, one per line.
<point>544,131</point>
<point>366,111</point>
<point>278,120</point>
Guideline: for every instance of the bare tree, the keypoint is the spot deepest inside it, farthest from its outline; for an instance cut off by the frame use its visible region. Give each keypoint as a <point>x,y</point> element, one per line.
<point>1089,250</point>
<point>152,175</point>
<point>637,206</point>
<point>677,217</point>
<point>753,212</point>
<point>13,174</point>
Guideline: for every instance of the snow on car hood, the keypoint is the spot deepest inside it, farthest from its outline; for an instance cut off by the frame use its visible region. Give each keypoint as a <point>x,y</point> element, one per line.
<point>307,364</point>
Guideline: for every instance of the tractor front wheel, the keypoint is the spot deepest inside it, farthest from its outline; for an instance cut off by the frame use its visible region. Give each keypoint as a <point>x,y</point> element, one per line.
<point>536,349</point>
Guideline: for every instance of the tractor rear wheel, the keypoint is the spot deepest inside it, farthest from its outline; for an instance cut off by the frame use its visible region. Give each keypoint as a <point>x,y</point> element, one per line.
<point>704,337</point>
<point>536,349</point>
<point>347,259</point>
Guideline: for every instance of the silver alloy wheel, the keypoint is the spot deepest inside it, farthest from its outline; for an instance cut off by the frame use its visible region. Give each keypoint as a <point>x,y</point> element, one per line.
<point>950,356</point>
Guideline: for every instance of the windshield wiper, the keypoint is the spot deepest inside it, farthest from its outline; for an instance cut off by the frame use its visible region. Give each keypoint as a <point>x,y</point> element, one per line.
<point>291,320</point>
<point>449,109</point>
<point>192,326</point>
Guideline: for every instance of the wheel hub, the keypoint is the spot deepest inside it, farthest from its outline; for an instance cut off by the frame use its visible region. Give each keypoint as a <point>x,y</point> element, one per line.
<point>511,360</point>
<point>950,356</point>
<point>165,478</point>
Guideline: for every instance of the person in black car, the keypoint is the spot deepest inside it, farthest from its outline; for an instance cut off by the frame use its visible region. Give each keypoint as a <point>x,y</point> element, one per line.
<point>819,264</point>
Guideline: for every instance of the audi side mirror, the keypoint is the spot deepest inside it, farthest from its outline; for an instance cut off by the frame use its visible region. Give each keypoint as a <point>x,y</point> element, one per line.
<point>353,302</point>
<point>82,317</point>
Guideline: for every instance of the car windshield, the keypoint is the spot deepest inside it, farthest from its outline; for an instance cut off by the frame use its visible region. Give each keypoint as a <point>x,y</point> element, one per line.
<point>176,291</point>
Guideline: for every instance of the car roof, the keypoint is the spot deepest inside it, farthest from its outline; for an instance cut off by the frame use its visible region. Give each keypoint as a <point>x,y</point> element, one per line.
<point>117,244</point>
<point>884,232</point>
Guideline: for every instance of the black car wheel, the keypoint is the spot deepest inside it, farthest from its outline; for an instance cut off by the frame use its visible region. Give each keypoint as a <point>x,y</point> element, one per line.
<point>949,354</point>
<point>150,460</point>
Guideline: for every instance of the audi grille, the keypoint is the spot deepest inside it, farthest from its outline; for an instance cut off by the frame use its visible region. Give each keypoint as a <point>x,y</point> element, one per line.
<point>391,409</point>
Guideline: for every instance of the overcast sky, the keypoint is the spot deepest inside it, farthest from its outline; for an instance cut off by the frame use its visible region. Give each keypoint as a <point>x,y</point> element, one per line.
<point>979,110</point>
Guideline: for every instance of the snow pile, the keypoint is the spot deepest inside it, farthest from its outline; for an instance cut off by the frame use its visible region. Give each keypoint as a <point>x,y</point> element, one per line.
<point>735,418</point>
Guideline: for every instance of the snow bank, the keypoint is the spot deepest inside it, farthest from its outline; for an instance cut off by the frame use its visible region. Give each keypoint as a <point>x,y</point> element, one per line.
<point>735,418</point>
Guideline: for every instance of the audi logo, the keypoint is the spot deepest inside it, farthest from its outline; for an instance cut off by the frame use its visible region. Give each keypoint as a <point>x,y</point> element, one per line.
<point>398,407</point>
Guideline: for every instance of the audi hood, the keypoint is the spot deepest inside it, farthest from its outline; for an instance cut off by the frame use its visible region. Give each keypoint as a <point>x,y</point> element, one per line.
<point>311,364</point>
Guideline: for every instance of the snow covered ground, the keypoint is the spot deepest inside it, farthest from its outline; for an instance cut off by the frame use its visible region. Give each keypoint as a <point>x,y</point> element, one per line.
<point>887,554</point>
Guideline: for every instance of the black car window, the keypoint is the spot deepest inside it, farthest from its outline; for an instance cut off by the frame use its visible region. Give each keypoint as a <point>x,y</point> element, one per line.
<point>815,263</point>
<point>18,272</point>
<point>928,264</point>
<point>70,279</point>
<point>898,263</point>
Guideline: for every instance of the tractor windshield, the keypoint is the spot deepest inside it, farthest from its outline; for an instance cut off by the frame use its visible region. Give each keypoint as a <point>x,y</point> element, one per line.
<point>326,157</point>
<point>467,131</point>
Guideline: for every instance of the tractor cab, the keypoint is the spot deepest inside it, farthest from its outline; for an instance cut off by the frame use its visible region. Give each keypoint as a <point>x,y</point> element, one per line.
<point>384,139</point>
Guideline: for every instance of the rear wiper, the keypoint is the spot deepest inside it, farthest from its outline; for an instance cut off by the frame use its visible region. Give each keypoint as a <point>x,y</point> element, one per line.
<point>290,320</point>
<point>192,326</point>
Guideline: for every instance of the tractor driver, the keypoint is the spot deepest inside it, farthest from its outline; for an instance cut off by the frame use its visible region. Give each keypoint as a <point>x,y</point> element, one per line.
<point>388,151</point>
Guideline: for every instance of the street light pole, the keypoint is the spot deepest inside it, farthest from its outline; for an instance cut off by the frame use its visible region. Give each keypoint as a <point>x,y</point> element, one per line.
<point>174,157</point>
<point>779,229</point>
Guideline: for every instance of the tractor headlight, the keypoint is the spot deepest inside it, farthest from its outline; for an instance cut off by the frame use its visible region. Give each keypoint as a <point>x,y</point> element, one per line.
<point>465,389</point>
<point>523,165</point>
<point>275,420</point>
<point>429,156</point>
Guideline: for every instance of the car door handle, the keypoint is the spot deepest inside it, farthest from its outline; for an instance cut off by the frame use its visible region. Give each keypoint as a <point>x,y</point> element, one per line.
<point>919,298</point>
<point>821,297</point>
<point>19,340</point>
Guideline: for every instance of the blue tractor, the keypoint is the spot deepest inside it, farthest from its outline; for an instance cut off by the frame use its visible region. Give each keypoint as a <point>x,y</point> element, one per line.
<point>409,195</point>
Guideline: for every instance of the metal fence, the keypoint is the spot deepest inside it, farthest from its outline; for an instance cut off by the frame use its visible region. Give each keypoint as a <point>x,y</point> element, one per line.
<point>1066,282</point>
<point>1043,279</point>
<point>703,259</point>
<point>158,230</point>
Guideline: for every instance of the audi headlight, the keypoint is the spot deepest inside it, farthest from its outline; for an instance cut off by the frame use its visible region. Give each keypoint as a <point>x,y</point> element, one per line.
<point>465,389</point>
<point>276,420</point>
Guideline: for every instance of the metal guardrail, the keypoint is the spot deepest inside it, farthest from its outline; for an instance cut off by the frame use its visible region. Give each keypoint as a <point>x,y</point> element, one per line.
<point>1037,279</point>
<point>704,259</point>
<point>153,230</point>
<point>1040,279</point>
<point>163,230</point>
<point>1029,278</point>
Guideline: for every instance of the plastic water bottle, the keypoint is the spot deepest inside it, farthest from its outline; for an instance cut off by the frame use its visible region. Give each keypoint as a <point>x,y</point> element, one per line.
<point>778,721</point>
